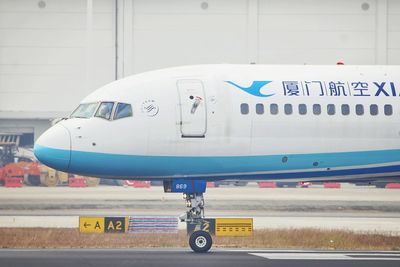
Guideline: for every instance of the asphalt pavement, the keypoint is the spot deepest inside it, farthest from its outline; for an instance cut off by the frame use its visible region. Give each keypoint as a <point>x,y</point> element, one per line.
<point>173,258</point>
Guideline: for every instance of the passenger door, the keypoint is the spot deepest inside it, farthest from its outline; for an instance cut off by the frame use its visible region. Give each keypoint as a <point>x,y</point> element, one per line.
<point>192,108</point>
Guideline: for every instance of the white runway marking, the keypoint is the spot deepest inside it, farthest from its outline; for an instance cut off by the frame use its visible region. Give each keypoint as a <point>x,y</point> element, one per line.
<point>327,256</point>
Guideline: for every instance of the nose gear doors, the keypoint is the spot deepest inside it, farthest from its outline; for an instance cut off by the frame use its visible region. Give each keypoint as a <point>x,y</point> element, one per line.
<point>192,107</point>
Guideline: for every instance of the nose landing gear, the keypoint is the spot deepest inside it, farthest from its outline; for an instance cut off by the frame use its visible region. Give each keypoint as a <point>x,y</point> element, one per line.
<point>200,239</point>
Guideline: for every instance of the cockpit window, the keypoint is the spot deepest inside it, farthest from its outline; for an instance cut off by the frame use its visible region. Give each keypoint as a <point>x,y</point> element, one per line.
<point>105,109</point>
<point>84,110</point>
<point>122,111</point>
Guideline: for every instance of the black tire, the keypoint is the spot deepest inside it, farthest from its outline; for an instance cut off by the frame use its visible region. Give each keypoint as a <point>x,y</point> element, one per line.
<point>200,241</point>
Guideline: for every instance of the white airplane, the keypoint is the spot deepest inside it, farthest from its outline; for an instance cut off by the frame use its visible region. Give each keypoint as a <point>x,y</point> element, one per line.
<point>188,125</point>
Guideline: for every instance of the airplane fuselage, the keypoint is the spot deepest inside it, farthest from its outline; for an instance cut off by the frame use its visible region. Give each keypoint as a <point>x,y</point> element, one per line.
<point>235,122</point>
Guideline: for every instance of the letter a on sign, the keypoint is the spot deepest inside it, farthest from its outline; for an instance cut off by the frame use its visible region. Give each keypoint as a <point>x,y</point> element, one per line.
<point>91,224</point>
<point>110,226</point>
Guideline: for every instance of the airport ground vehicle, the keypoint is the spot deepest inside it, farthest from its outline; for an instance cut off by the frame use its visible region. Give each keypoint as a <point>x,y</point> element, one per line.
<point>50,177</point>
<point>17,165</point>
<point>18,162</point>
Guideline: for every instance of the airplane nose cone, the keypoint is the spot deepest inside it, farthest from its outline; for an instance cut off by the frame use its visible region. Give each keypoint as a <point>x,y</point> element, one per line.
<point>53,148</point>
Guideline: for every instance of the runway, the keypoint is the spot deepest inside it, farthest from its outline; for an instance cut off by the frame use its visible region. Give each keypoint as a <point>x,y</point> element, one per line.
<point>172,258</point>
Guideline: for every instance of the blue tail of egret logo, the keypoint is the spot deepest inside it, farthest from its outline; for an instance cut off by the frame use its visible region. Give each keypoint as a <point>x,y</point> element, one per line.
<point>254,88</point>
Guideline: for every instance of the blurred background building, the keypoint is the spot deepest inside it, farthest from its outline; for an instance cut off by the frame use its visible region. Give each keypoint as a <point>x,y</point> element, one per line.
<point>55,52</point>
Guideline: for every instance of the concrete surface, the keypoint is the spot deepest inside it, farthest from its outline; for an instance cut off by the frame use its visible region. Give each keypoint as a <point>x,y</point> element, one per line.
<point>349,208</point>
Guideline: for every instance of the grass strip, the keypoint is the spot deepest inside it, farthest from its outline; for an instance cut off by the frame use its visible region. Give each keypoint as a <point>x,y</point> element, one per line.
<point>268,238</point>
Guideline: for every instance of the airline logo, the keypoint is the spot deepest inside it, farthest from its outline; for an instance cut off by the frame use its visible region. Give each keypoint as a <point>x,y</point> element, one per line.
<point>150,108</point>
<point>338,88</point>
<point>254,88</point>
<point>324,88</point>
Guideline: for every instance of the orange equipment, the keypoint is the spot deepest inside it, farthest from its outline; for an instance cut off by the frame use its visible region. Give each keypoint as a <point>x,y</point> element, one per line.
<point>24,169</point>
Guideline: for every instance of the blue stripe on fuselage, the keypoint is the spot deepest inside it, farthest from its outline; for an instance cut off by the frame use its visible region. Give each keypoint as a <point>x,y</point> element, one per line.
<point>114,165</point>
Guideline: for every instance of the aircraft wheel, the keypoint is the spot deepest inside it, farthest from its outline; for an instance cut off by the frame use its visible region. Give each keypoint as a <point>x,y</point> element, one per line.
<point>200,241</point>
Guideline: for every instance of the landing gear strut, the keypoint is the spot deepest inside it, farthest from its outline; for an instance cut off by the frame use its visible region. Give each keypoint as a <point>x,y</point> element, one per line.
<point>195,203</point>
<point>199,241</point>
